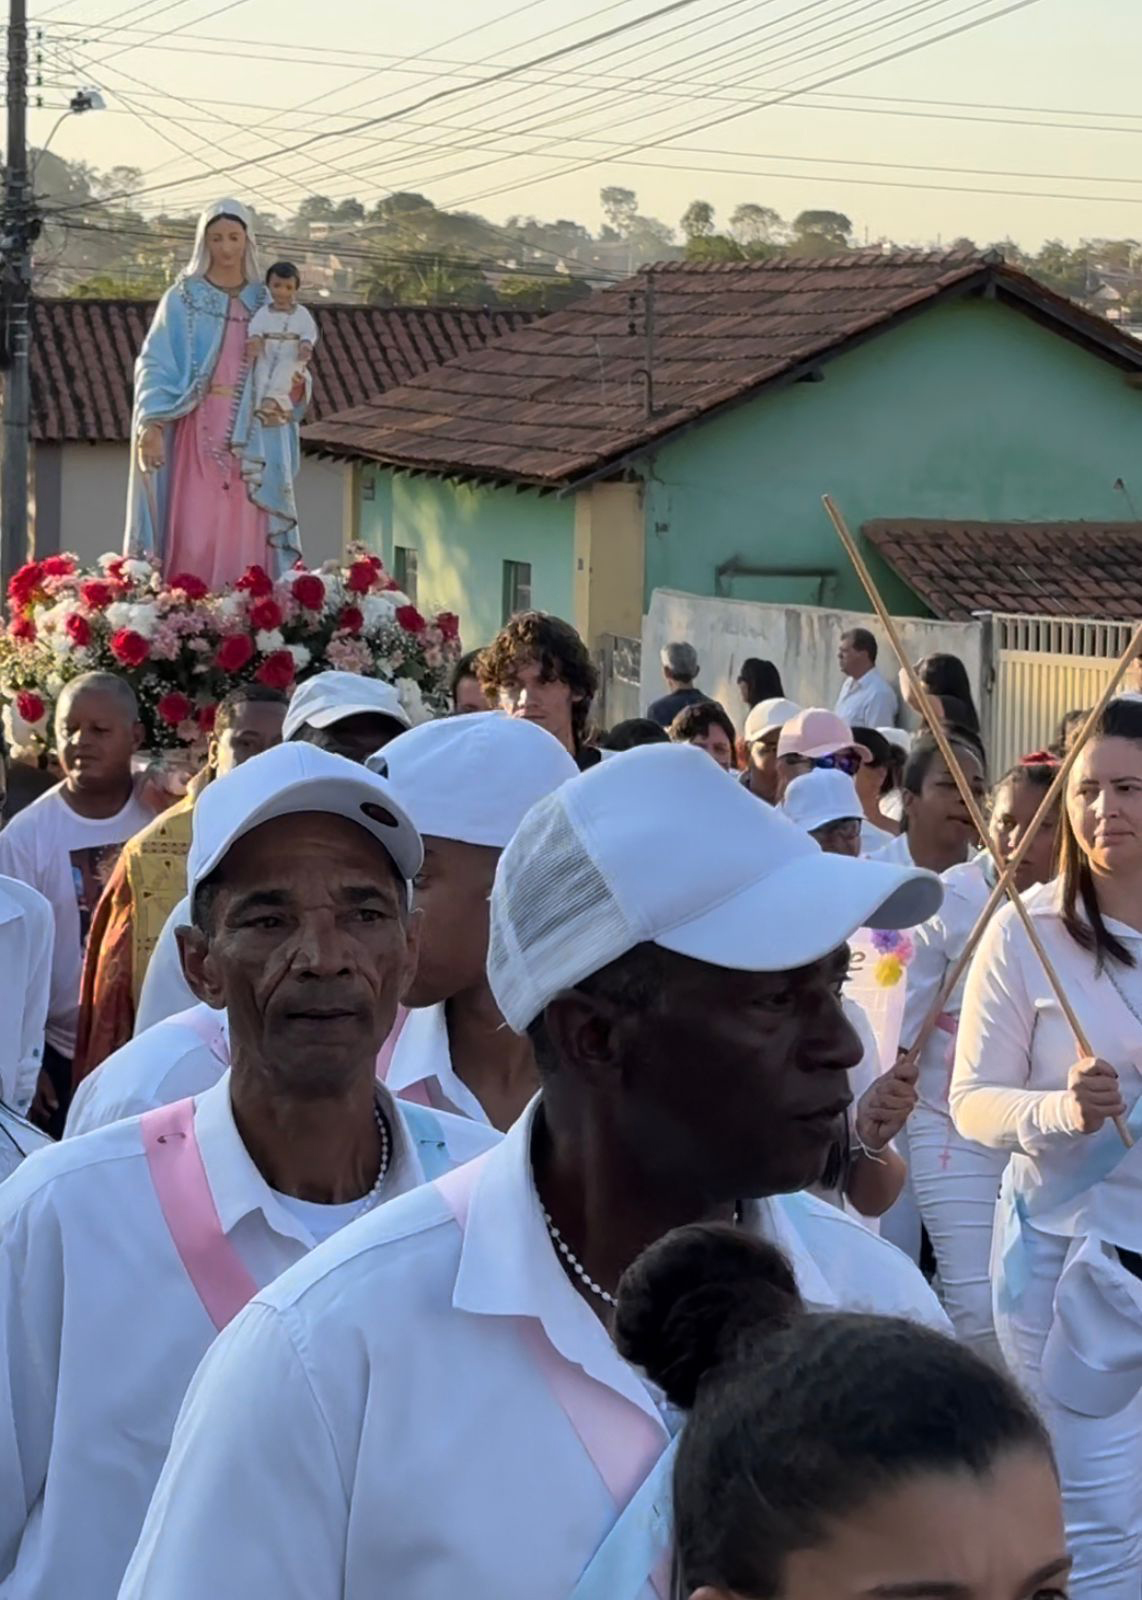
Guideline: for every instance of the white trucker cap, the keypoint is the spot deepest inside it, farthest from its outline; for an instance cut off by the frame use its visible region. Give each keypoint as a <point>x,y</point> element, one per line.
<point>330,697</point>
<point>658,847</point>
<point>288,779</point>
<point>768,716</point>
<point>820,797</point>
<point>473,779</point>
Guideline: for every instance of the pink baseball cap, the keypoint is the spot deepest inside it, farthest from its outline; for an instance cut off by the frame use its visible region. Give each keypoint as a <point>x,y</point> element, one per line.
<point>818,733</point>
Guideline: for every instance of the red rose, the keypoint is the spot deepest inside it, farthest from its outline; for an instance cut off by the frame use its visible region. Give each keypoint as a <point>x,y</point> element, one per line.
<point>235,652</point>
<point>449,624</point>
<point>129,648</point>
<point>277,670</point>
<point>309,592</point>
<point>24,583</point>
<point>78,629</point>
<point>30,707</point>
<point>266,614</point>
<point>192,587</point>
<point>174,708</point>
<point>362,577</point>
<point>410,619</point>
<point>351,620</point>
<point>22,628</point>
<point>205,718</point>
<point>57,566</point>
<point>256,582</point>
<point>96,594</point>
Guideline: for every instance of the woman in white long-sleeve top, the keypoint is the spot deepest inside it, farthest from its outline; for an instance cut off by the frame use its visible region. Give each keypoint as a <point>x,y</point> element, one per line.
<point>955,1180</point>
<point>1068,1303</point>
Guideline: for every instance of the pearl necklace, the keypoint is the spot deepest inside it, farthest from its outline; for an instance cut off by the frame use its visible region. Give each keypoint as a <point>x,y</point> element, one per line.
<point>577,1266</point>
<point>374,1193</point>
<point>573,1261</point>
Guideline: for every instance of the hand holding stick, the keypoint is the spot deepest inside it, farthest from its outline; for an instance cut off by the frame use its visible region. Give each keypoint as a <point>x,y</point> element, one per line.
<point>1006,884</point>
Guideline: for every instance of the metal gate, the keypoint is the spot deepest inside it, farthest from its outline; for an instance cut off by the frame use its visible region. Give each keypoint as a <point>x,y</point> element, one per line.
<point>1045,667</point>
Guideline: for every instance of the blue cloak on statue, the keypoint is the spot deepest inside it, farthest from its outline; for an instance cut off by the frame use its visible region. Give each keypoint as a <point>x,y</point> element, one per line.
<point>172,376</point>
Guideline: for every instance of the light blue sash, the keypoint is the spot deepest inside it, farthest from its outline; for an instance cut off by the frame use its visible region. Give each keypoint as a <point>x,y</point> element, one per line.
<point>624,1562</point>
<point>1013,1264</point>
<point>428,1136</point>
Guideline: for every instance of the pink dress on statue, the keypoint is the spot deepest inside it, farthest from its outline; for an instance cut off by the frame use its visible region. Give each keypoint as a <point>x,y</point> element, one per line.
<point>214,530</point>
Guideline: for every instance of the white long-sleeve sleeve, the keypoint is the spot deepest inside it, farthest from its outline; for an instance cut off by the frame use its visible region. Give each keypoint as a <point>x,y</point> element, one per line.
<point>991,1100</point>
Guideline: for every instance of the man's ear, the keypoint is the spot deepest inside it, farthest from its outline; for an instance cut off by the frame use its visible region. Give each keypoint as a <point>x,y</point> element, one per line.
<point>585,1033</point>
<point>201,971</point>
<point>138,734</point>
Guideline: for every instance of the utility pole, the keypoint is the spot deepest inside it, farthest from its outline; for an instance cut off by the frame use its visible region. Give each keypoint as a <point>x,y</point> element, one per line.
<point>16,236</point>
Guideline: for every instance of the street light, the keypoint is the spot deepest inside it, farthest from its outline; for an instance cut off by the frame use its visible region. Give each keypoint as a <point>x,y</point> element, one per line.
<point>82,100</point>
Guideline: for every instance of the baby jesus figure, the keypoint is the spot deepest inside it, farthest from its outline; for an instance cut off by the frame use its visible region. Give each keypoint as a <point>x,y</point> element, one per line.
<point>281,336</point>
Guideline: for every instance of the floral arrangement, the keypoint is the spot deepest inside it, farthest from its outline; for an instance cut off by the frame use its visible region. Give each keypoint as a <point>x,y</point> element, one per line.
<point>895,951</point>
<point>182,648</point>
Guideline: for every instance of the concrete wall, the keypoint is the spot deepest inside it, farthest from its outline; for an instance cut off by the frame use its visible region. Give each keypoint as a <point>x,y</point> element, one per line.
<point>81,496</point>
<point>971,410</point>
<point>463,534</point>
<point>801,641</point>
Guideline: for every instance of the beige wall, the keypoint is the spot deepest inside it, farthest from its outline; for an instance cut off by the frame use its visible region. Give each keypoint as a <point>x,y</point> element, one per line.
<point>92,494</point>
<point>608,560</point>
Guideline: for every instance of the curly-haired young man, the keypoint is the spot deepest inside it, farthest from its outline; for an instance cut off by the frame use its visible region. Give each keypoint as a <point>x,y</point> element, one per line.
<point>538,667</point>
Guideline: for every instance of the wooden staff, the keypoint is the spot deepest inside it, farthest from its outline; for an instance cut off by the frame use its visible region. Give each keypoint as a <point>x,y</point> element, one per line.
<point>1006,884</point>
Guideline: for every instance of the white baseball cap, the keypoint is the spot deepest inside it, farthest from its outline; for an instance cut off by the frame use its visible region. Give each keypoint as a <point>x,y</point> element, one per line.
<point>659,847</point>
<point>330,697</point>
<point>768,716</point>
<point>288,779</point>
<point>820,797</point>
<point>472,779</point>
<point>1092,1361</point>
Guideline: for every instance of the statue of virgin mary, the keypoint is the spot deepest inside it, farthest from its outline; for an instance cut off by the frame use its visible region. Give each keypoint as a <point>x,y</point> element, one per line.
<point>211,487</point>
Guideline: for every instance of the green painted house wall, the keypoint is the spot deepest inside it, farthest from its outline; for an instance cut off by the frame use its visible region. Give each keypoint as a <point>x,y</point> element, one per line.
<point>463,535</point>
<point>969,410</point>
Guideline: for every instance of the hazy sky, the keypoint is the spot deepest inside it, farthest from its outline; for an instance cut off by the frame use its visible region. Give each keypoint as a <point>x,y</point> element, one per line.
<point>908,149</point>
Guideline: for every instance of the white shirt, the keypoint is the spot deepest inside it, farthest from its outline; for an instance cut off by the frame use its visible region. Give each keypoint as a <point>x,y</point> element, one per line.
<point>165,991</point>
<point>897,850</point>
<point>418,1448</point>
<point>938,944</point>
<point>17,1140</point>
<point>101,1330</point>
<point>27,937</point>
<point>68,858</point>
<point>422,1056</point>
<point>1014,1052</point>
<point>873,838</point>
<point>284,332</point>
<point>183,1056</point>
<point>868,702</point>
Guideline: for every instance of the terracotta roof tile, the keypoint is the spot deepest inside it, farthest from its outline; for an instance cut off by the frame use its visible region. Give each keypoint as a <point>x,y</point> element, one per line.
<point>83,358</point>
<point>1079,569</point>
<point>575,380</point>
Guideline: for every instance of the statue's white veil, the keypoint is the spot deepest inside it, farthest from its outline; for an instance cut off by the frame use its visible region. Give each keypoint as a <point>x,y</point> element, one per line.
<point>199,262</point>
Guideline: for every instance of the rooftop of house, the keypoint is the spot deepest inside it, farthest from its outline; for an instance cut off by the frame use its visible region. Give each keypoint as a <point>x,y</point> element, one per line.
<point>1067,569</point>
<point>82,358</point>
<point>566,398</point>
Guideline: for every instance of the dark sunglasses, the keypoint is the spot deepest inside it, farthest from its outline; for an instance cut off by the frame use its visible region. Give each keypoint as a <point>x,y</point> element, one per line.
<point>841,761</point>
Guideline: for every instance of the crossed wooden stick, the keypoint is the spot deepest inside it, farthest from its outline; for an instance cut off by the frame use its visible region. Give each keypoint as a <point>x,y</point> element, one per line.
<point>1006,883</point>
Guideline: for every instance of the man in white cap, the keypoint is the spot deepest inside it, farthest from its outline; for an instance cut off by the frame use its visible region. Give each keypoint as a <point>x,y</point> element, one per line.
<point>816,739</point>
<point>466,782</point>
<point>345,712</point>
<point>435,1407</point>
<point>122,1253</point>
<point>342,712</point>
<point>825,803</point>
<point>762,730</point>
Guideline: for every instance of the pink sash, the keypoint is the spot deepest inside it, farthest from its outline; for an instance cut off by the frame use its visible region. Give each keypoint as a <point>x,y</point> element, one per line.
<point>175,1163</point>
<point>211,1030</point>
<point>621,1440</point>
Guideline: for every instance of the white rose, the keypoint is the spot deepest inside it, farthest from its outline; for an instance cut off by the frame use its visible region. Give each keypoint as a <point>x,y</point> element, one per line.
<point>377,610</point>
<point>53,683</point>
<point>60,642</point>
<point>139,570</point>
<point>107,559</point>
<point>118,615</point>
<point>144,618</point>
<point>232,605</point>
<point>301,656</point>
<point>268,640</point>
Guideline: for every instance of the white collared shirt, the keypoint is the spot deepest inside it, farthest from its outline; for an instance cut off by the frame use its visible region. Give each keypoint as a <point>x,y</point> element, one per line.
<point>1014,1052</point>
<point>178,1058</point>
<point>868,702</point>
<point>423,1057</point>
<point>418,1447</point>
<point>27,935</point>
<point>101,1330</point>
